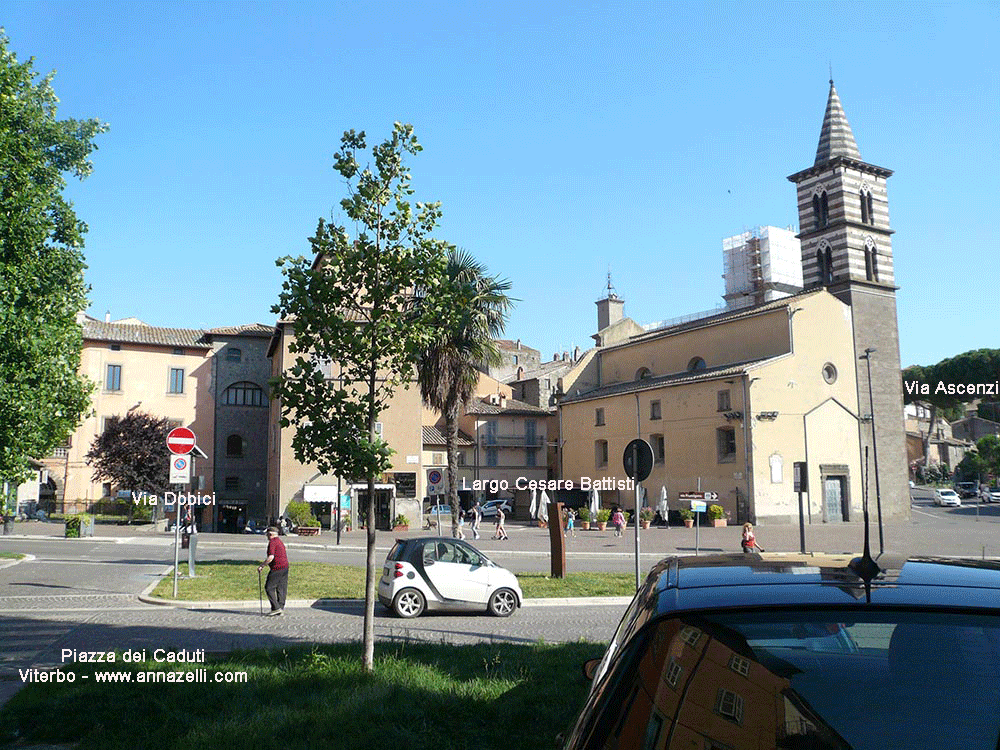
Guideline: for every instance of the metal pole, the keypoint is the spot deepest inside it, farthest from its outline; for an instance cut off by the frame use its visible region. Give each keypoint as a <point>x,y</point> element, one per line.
<point>177,541</point>
<point>802,525</point>
<point>697,530</point>
<point>635,520</point>
<point>339,521</point>
<point>878,494</point>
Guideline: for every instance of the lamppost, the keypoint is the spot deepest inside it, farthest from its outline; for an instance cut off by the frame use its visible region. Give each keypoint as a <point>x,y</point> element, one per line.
<point>871,404</point>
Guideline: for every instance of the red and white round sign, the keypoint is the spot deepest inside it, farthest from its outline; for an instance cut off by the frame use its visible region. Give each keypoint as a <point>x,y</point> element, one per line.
<point>180,440</point>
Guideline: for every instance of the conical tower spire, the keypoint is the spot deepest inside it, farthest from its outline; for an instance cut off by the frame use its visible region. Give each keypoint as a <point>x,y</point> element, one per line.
<point>836,138</point>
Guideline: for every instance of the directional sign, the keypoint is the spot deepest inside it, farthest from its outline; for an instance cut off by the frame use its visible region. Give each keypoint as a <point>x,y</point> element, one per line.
<point>638,460</point>
<point>699,496</point>
<point>180,470</point>
<point>180,441</point>
<point>699,506</point>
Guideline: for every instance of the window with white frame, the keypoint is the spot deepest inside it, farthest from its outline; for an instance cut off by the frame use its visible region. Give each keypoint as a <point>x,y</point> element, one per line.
<point>176,380</point>
<point>729,705</point>
<point>673,674</point>
<point>739,665</point>
<point>690,636</point>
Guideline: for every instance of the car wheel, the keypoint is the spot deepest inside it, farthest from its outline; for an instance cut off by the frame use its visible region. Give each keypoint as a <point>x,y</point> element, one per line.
<point>409,603</point>
<point>503,603</point>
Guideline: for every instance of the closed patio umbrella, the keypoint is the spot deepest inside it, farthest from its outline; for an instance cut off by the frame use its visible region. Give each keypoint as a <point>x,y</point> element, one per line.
<point>664,506</point>
<point>533,509</point>
<point>543,508</point>
<point>595,503</point>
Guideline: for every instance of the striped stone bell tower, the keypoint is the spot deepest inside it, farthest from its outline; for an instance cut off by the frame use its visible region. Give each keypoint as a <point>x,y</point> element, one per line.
<point>847,248</point>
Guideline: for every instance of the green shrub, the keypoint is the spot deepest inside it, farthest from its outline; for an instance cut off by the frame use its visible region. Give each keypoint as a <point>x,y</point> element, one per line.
<point>584,513</point>
<point>301,513</point>
<point>401,520</point>
<point>686,514</point>
<point>646,514</point>
<point>716,512</point>
<point>603,515</point>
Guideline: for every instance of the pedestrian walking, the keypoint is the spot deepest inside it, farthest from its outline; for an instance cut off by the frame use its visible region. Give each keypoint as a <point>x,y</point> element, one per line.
<point>501,531</point>
<point>477,517</point>
<point>460,525</point>
<point>749,540</point>
<point>618,519</point>
<point>277,578</point>
<point>570,527</point>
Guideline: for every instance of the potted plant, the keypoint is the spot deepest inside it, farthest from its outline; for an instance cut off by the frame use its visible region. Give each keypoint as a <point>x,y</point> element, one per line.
<point>584,514</point>
<point>718,515</point>
<point>687,516</point>
<point>310,527</point>
<point>401,523</point>
<point>602,518</point>
<point>645,517</point>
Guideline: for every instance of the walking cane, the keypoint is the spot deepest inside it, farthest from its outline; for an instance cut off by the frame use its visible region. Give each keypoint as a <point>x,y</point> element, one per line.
<point>260,593</point>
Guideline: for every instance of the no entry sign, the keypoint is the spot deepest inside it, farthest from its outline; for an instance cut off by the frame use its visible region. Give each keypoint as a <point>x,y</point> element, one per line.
<point>180,441</point>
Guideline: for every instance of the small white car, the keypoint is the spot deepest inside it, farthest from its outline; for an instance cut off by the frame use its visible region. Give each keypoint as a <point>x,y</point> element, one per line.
<point>438,573</point>
<point>989,494</point>
<point>947,497</point>
<point>489,508</point>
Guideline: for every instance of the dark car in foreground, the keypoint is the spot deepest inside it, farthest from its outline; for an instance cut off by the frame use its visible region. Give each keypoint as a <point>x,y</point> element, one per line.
<point>747,651</point>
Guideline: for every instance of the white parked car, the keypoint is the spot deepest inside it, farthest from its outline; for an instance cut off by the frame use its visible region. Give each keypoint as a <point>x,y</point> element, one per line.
<point>989,494</point>
<point>947,497</point>
<point>489,508</point>
<point>440,574</point>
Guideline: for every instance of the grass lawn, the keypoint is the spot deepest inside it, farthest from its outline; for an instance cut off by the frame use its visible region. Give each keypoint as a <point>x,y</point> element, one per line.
<point>10,555</point>
<point>231,580</point>
<point>420,696</point>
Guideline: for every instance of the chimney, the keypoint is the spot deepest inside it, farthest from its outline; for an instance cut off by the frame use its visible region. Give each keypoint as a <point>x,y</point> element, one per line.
<point>576,353</point>
<point>107,316</point>
<point>555,357</point>
<point>565,356</point>
<point>503,401</point>
<point>519,343</point>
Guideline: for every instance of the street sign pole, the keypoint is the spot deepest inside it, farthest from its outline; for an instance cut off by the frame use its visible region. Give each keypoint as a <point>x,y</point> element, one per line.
<point>635,519</point>
<point>177,542</point>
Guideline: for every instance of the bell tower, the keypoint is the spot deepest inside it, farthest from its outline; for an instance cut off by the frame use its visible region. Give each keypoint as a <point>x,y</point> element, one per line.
<point>846,245</point>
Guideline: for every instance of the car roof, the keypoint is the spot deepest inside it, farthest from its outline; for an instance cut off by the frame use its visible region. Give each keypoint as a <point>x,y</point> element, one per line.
<point>744,581</point>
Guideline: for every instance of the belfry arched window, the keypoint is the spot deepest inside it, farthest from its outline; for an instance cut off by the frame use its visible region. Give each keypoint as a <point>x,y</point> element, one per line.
<point>824,263</point>
<point>871,260</point>
<point>244,393</point>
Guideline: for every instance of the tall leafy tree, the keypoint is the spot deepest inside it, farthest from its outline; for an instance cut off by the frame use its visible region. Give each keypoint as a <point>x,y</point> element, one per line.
<point>475,308</point>
<point>41,267</point>
<point>358,328</point>
<point>131,453</point>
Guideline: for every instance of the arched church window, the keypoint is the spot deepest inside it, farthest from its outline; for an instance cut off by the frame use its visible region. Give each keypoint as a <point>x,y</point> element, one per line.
<point>828,257</point>
<point>816,212</point>
<point>871,209</point>
<point>643,373</point>
<point>824,209</point>
<point>864,207</point>
<point>696,363</point>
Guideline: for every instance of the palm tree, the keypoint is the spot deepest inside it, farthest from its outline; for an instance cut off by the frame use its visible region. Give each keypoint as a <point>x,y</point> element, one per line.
<point>476,308</point>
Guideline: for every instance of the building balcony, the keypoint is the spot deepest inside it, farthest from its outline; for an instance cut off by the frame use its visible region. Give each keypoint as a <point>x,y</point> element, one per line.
<point>512,441</point>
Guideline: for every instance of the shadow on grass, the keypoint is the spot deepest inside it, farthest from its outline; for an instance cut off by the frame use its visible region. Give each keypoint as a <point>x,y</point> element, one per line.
<point>419,696</point>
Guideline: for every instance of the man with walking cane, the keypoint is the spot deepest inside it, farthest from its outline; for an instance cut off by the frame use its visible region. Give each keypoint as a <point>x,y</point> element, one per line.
<point>277,579</point>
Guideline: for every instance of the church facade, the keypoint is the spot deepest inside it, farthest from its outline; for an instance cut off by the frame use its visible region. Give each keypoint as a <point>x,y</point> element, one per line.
<point>732,402</point>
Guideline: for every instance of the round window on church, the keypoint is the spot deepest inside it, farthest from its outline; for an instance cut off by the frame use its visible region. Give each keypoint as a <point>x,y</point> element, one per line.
<point>829,373</point>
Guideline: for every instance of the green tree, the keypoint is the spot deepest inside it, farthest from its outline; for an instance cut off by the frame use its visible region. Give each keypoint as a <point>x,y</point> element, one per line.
<point>358,328</point>
<point>474,311</point>
<point>929,384</point>
<point>41,267</point>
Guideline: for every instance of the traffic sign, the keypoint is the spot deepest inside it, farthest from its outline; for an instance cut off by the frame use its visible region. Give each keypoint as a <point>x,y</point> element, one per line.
<point>180,470</point>
<point>699,506</point>
<point>638,460</point>
<point>435,482</point>
<point>180,441</point>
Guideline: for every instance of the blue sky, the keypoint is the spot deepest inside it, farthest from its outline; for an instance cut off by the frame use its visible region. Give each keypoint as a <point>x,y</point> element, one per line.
<point>561,138</point>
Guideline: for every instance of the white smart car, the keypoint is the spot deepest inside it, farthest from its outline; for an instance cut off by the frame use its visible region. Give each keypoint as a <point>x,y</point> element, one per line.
<point>438,573</point>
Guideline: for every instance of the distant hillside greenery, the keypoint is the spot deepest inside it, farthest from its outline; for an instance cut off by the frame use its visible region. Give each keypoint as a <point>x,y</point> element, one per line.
<point>946,385</point>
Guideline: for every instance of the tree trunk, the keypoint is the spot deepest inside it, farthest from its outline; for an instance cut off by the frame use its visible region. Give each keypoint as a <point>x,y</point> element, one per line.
<point>369,626</point>
<point>450,445</point>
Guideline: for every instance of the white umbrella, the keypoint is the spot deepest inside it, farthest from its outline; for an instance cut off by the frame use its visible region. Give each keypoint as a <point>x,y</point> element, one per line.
<point>664,506</point>
<point>543,508</point>
<point>533,510</point>
<point>595,503</point>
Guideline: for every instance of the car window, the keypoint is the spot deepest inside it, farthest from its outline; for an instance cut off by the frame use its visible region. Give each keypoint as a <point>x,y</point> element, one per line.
<point>396,552</point>
<point>468,556</point>
<point>905,681</point>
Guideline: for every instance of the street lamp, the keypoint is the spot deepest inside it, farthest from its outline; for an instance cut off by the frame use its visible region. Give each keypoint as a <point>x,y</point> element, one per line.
<point>871,404</point>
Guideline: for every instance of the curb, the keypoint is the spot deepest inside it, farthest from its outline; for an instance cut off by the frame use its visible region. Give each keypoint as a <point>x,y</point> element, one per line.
<point>617,601</point>
<point>12,563</point>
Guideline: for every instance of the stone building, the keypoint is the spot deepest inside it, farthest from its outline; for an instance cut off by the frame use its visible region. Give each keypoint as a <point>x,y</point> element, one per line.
<point>241,371</point>
<point>731,401</point>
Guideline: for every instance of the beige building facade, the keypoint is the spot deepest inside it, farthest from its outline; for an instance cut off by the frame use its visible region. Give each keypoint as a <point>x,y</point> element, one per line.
<point>398,491</point>
<point>166,372</point>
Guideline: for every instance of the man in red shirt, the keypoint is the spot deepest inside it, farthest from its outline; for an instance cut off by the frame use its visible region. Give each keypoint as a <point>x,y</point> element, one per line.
<point>277,579</point>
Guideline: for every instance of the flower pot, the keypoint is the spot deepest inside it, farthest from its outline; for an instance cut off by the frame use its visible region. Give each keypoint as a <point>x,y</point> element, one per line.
<point>602,525</point>
<point>308,531</point>
<point>718,522</point>
<point>689,522</point>
<point>585,525</point>
<point>644,524</point>
<point>542,524</point>
<point>400,528</point>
